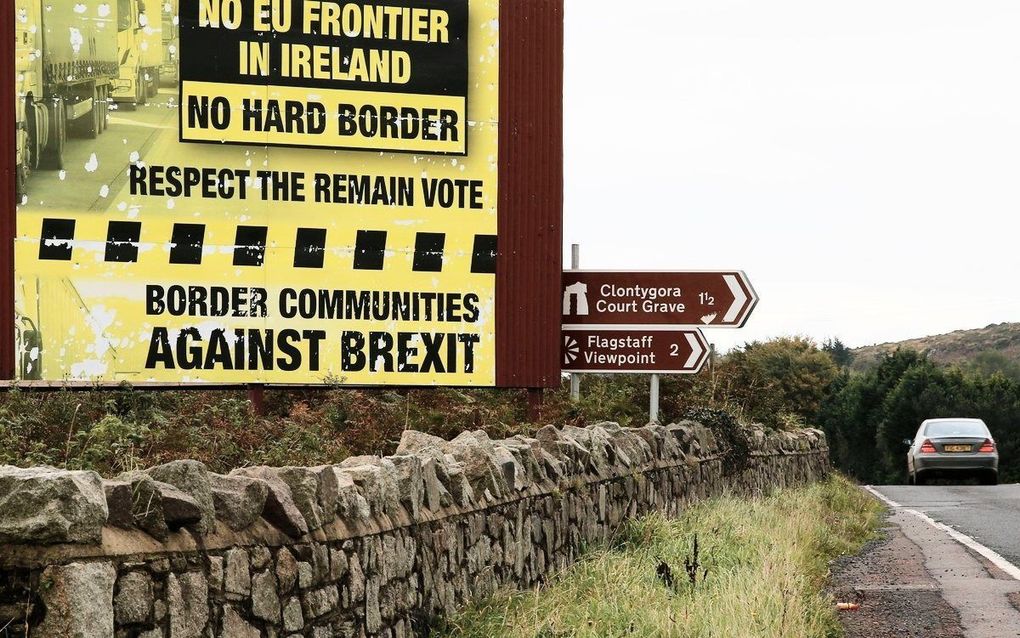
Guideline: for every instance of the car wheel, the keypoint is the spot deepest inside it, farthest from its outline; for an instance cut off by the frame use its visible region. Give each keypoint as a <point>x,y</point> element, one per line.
<point>919,479</point>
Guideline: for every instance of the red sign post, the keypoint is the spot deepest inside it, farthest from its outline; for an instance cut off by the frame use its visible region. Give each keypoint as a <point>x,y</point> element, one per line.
<point>633,351</point>
<point>680,299</point>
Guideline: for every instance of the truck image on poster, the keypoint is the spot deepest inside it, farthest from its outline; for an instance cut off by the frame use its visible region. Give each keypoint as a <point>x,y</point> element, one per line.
<point>236,191</point>
<point>170,43</point>
<point>140,51</point>
<point>65,64</point>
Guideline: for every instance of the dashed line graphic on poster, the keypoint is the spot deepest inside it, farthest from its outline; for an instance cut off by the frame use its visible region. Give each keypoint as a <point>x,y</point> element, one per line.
<point>186,246</point>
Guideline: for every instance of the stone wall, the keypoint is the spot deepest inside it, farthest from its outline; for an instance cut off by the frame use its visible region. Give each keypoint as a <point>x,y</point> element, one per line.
<point>370,547</point>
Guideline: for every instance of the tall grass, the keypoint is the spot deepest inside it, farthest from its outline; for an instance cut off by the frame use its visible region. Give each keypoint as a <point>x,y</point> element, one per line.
<point>766,561</point>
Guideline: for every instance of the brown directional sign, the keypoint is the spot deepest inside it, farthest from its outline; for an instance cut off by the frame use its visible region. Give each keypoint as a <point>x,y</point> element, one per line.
<point>628,299</point>
<point>637,351</point>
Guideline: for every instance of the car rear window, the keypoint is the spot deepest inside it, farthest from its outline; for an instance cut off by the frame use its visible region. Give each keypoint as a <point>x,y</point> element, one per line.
<point>956,428</point>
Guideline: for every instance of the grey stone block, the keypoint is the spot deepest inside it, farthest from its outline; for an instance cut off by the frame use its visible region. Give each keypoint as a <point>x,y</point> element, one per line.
<point>79,600</point>
<point>188,601</point>
<point>133,602</point>
<point>280,509</point>
<point>286,570</point>
<point>192,478</point>
<point>238,500</point>
<point>265,599</point>
<point>234,626</point>
<point>118,503</point>
<point>47,506</point>
<point>236,574</point>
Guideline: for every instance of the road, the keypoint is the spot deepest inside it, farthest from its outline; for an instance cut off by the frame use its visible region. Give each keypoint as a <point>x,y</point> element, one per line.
<point>967,539</point>
<point>989,515</point>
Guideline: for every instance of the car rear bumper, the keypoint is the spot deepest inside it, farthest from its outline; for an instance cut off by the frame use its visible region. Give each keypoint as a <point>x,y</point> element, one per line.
<point>962,463</point>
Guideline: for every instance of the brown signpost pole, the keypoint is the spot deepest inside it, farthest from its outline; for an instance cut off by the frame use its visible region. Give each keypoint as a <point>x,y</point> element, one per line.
<point>575,379</point>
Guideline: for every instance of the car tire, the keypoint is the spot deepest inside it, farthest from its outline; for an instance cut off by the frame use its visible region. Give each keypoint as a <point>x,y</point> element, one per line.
<point>990,478</point>
<point>920,479</point>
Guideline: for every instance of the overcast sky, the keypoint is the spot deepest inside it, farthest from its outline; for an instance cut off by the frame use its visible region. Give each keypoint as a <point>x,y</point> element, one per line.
<point>859,160</point>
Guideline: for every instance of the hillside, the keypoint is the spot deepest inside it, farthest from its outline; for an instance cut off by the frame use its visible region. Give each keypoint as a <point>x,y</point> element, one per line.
<point>958,347</point>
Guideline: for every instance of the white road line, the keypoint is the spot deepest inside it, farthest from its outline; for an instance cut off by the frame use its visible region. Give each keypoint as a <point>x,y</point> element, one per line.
<point>993,557</point>
<point>882,497</point>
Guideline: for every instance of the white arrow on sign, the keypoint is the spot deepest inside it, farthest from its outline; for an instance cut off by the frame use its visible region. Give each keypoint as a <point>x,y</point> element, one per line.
<point>739,298</point>
<point>696,350</point>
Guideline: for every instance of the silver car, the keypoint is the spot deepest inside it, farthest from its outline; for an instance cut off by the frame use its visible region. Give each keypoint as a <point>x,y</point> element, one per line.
<point>952,448</point>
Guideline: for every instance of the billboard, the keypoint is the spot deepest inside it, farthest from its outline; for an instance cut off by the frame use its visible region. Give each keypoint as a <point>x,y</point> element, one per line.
<point>262,191</point>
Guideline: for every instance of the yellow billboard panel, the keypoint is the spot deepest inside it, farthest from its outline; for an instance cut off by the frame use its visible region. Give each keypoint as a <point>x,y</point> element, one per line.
<point>294,192</point>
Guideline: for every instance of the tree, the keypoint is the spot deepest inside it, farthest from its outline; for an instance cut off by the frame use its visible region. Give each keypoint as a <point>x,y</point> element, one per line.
<point>841,355</point>
<point>990,362</point>
<point>854,408</point>
<point>924,392</point>
<point>867,416</point>
<point>775,379</point>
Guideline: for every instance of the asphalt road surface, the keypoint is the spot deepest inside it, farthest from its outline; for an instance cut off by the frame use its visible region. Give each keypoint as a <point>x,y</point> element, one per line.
<point>989,515</point>
<point>960,544</point>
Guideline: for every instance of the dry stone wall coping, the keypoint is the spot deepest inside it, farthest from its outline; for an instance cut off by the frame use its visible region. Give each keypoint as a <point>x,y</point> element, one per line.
<point>372,546</point>
<point>181,506</point>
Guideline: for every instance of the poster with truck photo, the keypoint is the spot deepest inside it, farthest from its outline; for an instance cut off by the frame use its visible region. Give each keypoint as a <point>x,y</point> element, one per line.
<point>256,191</point>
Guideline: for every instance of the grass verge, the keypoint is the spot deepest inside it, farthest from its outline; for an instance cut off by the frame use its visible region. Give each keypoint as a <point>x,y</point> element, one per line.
<point>759,570</point>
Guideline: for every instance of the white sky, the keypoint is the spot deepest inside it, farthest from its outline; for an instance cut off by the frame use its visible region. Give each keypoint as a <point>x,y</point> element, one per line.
<point>860,160</point>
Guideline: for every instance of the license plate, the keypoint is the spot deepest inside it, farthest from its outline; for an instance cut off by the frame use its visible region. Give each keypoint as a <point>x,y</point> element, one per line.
<point>959,448</point>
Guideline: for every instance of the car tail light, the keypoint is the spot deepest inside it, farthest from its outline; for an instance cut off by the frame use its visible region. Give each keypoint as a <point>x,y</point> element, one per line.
<point>928,448</point>
<point>987,447</point>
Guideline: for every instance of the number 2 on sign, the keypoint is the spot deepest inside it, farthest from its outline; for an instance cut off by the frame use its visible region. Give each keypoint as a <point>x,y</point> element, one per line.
<point>674,350</point>
<point>706,299</point>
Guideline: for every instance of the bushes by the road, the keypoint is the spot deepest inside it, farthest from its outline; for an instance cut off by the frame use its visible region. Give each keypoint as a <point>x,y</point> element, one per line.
<point>867,416</point>
<point>759,570</point>
<point>777,383</point>
<point>114,430</point>
<point>783,383</point>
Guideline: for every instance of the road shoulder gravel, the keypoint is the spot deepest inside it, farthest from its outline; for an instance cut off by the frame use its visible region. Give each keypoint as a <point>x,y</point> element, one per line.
<point>896,594</point>
<point>925,579</point>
